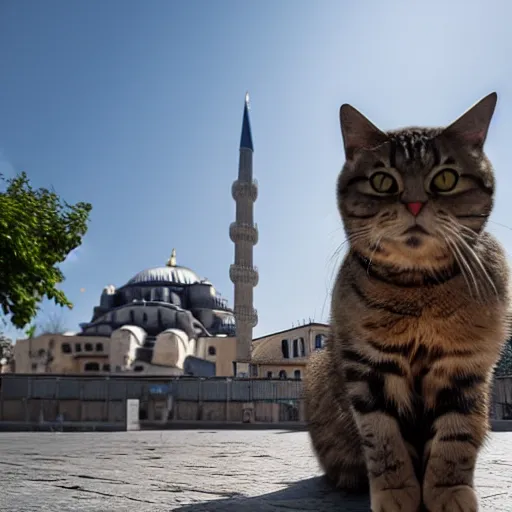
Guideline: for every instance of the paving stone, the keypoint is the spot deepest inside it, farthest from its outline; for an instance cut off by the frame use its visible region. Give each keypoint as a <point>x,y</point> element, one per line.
<point>193,471</point>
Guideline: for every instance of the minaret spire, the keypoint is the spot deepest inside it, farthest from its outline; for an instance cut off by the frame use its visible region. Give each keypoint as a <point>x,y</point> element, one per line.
<point>246,137</point>
<point>244,234</point>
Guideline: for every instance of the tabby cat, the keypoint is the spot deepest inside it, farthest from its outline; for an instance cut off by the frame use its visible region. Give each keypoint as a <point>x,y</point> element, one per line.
<point>397,401</point>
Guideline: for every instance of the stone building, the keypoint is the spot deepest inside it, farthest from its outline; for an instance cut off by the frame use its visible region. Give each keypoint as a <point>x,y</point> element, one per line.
<point>284,354</point>
<point>164,320</point>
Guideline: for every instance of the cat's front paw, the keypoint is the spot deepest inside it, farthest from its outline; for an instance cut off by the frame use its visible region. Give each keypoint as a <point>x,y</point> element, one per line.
<point>403,499</point>
<point>458,498</point>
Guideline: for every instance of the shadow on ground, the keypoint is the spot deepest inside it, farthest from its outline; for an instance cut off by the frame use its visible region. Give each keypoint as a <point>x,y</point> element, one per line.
<point>313,494</point>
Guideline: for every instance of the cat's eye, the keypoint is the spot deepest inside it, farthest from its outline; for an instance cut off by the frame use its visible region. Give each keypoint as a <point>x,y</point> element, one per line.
<point>444,181</point>
<point>383,183</point>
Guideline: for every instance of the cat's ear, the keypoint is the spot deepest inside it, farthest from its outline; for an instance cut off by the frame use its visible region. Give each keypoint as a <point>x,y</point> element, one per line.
<point>358,132</point>
<point>473,125</point>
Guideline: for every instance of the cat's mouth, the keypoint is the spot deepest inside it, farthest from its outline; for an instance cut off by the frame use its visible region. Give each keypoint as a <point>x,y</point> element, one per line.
<point>416,230</point>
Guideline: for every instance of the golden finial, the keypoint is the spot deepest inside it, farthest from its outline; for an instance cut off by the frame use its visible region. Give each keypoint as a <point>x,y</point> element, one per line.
<point>172,260</point>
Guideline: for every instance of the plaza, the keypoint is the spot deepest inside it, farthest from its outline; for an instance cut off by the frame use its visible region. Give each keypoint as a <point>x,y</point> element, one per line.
<point>193,471</point>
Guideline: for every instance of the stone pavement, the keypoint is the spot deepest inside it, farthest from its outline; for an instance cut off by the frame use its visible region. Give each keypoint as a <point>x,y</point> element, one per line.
<point>192,471</point>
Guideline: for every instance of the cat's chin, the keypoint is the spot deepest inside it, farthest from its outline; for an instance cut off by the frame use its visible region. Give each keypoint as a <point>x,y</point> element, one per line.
<point>413,251</point>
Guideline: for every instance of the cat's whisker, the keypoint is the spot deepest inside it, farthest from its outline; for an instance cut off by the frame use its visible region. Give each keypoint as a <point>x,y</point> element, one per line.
<point>464,267</point>
<point>465,249</point>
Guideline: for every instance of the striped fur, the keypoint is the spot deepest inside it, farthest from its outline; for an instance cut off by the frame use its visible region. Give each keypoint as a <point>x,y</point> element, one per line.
<point>397,402</point>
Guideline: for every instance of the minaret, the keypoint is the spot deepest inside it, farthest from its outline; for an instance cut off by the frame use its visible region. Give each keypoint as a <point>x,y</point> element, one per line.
<point>244,234</point>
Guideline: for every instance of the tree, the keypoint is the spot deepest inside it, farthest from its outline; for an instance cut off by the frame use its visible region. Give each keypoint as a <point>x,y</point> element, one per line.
<point>504,367</point>
<point>6,351</point>
<point>54,324</point>
<point>37,232</point>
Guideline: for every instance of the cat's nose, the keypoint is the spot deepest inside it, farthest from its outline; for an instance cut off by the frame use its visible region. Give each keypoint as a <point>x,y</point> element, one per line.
<point>415,208</point>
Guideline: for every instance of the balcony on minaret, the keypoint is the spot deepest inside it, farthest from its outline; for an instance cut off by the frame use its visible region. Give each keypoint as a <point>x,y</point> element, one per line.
<point>241,232</point>
<point>247,315</point>
<point>245,190</point>
<point>244,274</point>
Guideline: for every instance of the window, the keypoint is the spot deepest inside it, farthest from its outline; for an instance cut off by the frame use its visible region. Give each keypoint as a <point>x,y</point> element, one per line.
<point>138,368</point>
<point>282,374</point>
<point>144,318</point>
<point>269,375</point>
<point>99,347</point>
<point>285,349</point>
<point>296,374</point>
<point>118,368</point>
<point>78,347</point>
<point>319,341</point>
<point>106,367</point>
<point>88,347</point>
<point>91,367</point>
<point>41,352</point>
<point>295,347</point>
<point>302,347</point>
<point>66,348</point>
<point>211,351</point>
<point>34,366</point>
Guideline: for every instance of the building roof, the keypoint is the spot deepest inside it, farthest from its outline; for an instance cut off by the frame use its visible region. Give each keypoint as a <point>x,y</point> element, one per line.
<point>310,324</point>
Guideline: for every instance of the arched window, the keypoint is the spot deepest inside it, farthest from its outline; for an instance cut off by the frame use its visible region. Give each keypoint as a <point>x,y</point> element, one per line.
<point>282,374</point>
<point>211,350</point>
<point>319,341</point>
<point>269,375</point>
<point>285,349</point>
<point>91,367</point>
<point>295,347</point>
<point>296,374</point>
<point>302,347</point>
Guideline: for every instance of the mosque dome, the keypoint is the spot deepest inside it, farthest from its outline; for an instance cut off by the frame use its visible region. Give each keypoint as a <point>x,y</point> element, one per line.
<point>170,274</point>
<point>162,298</point>
<point>167,275</point>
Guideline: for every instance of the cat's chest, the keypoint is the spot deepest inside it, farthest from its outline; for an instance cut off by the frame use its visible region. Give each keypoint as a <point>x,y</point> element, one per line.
<point>437,321</point>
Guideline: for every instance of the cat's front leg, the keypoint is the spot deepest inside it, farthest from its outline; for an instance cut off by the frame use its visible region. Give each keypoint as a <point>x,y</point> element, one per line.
<point>375,400</point>
<point>393,483</point>
<point>460,424</point>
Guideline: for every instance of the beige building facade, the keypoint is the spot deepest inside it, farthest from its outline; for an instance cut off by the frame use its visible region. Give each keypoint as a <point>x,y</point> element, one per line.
<point>284,354</point>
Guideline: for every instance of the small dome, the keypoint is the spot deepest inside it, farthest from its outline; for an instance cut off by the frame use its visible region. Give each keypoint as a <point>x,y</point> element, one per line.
<point>168,275</point>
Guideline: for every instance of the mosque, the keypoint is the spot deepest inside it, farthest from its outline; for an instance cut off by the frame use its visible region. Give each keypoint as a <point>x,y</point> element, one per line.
<point>169,321</point>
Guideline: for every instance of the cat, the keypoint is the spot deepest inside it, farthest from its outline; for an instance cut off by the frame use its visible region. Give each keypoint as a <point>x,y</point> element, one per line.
<point>397,401</point>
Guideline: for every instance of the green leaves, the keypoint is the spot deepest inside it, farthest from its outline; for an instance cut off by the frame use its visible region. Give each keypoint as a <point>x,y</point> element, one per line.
<point>37,232</point>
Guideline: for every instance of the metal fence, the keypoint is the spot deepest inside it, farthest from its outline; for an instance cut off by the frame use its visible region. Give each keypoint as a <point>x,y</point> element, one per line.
<point>53,387</point>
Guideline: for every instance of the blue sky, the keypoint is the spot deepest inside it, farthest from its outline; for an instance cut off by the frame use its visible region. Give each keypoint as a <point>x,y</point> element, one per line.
<point>137,107</point>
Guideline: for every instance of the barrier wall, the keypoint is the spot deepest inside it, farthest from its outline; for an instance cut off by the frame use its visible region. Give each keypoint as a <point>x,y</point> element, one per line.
<point>54,400</point>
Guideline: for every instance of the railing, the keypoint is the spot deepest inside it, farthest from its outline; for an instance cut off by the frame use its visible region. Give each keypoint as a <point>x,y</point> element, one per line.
<point>244,274</point>
<point>243,232</point>
<point>242,189</point>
